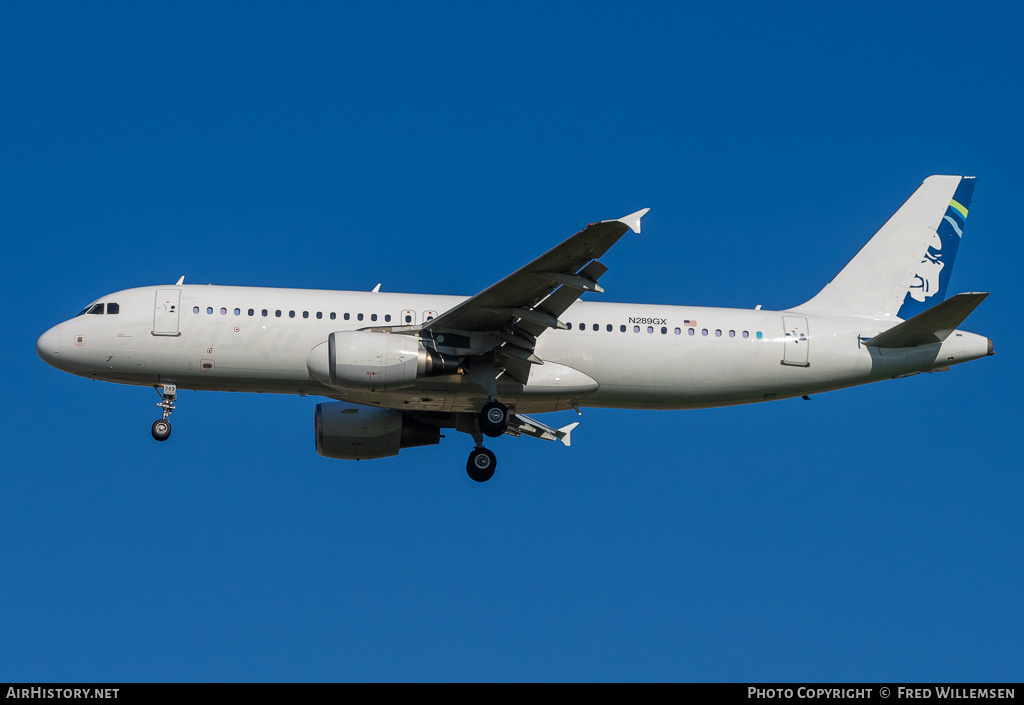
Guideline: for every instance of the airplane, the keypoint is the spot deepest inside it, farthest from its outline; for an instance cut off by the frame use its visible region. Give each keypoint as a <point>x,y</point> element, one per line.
<point>399,368</point>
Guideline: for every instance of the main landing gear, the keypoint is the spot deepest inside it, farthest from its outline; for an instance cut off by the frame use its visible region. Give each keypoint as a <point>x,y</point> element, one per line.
<point>492,421</point>
<point>481,464</point>
<point>494,418</point>
<point>162,427</point>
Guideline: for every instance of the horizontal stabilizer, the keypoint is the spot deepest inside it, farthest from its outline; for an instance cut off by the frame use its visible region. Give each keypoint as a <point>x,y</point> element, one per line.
<point>932,326</point>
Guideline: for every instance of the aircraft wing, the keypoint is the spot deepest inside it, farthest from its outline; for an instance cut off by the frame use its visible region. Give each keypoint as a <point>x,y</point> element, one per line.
<point>529,301</point>
<point>521,425</point>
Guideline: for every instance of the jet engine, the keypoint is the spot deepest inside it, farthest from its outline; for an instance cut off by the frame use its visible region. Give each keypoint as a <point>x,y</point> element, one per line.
<point>350,432</point>
<point>368,360</point>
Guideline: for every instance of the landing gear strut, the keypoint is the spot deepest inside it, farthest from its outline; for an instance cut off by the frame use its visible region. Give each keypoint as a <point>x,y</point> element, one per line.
<point>162,427</point>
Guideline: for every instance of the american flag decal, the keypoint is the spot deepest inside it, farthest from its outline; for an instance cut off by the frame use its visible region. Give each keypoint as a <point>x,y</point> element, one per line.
<point>688,322</point>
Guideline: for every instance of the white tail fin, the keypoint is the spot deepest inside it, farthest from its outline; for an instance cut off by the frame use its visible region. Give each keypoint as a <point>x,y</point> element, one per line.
<point>904,268</point>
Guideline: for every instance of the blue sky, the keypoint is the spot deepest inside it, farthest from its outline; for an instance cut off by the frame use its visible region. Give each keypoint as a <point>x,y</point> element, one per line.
<point>872,534</point>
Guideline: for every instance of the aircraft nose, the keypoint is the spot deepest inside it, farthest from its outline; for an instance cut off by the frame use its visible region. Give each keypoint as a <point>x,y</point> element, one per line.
<point>48,347</point>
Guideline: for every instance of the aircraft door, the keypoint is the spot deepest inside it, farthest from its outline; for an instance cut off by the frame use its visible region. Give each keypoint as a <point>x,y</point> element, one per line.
<point>796,345</point>
<point>408,318</point>
<point>429,316</point>
<point>165,313</point>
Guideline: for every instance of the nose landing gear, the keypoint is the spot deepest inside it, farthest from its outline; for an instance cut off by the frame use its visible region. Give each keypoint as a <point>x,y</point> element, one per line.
<point>162,427</point>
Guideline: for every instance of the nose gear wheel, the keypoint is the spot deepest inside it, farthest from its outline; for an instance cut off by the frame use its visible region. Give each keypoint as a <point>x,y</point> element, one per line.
<point>161,429</point>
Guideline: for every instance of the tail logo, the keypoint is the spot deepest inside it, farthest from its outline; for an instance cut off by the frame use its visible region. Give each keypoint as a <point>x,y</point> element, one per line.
<point>927,280</point>
<point>932,274</point>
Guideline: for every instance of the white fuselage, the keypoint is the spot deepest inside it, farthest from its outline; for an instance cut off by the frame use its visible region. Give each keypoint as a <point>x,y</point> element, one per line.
<point>642,356</point>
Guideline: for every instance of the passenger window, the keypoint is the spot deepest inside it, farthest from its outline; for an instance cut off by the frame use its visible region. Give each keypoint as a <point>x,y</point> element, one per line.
<point>113,308</point>
<point>373,316</point>
<point>238,312</point>
<point>223,311</point>
<point>251,312</point>
<point>195,309</point>
<point>622,329</point>
<point>636,329</point>
<point>664,330</point>
<point>650,329</point>
<point>319,314</point>
<point>732,334</point>
<point>291,314</point>
<point>346,316</point>
<point>758,335</point>
<point>609,327</point>
<point>264,313</point>
<point>746,334</point>
<point>690,331</point>
<point>334,315</point>
<point>703,331</point>
<point>277,313</point>
<point>359,317</point>
<point>209,310</point>
<point>678,331</point>
<point>305,314</point>
<point>387,318</point>
<point>597,327</point>
<point>718,333</point>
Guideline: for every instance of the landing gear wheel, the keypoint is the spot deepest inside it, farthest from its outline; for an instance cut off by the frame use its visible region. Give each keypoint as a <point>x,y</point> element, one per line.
<point>494,419</point>
<point>481,465</point>
<point>161,429</point>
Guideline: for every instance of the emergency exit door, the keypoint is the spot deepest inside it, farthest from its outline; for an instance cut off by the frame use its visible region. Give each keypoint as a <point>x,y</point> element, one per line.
<point>795,348</point>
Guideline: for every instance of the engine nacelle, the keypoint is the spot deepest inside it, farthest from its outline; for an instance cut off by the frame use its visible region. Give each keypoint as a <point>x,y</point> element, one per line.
<point>350,432</point>
<point>368,360</point>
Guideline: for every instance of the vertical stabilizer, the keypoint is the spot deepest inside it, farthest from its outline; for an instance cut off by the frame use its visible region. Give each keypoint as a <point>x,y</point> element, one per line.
<point>904,268</point>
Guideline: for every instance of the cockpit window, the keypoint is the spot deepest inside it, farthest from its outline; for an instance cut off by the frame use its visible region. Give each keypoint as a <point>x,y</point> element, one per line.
<point>97,309</point>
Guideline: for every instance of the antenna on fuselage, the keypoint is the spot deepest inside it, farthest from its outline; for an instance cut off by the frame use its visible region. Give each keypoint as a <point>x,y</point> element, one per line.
<point>181,280</point>
<point>376,289</point>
